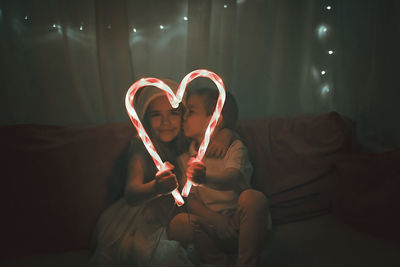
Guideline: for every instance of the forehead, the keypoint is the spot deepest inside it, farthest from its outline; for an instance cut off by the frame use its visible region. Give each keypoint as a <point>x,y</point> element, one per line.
<point>160,103</point>
<point>196,101</point>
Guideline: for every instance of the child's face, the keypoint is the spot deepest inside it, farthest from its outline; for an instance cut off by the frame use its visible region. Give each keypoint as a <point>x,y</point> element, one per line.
<point>195,119</point>
<point>165,121</point>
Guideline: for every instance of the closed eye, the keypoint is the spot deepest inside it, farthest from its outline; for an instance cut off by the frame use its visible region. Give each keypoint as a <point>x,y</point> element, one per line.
<point>175,112</point>
<point>154,114</point>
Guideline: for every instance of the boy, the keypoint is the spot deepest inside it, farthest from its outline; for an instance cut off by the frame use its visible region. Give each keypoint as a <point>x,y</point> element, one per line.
<point>226,216</point>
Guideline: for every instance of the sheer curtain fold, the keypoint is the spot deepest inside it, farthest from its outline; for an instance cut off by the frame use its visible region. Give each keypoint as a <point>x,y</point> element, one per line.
<point>71,62</point>
<point>113,56</point>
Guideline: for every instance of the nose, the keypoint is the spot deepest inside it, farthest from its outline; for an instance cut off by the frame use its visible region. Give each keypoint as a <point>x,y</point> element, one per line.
<point>165,120</point>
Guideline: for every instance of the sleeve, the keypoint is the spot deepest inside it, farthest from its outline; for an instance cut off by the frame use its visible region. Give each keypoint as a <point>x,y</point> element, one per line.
<point>237,158</point>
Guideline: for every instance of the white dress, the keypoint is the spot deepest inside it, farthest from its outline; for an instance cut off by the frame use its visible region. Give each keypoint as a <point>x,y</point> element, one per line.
<point>134,236</point>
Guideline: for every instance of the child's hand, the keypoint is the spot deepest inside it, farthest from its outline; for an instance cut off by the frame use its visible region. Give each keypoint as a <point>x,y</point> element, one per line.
<point>220,143</point>
<point>165,181</point>
<point>216,149</point>
<point>196,172</point>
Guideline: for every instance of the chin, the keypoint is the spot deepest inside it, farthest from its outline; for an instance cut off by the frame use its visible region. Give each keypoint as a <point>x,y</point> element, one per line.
<point>167,139</point>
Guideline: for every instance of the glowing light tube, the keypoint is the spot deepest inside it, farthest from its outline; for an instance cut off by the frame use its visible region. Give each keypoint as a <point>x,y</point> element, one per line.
<point>214,118</point>
<point>130,96</point>
<point>175,100</point>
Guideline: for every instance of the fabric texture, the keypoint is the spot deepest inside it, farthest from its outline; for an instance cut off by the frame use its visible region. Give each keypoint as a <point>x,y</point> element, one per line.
<point>54,184</point>
<point>131,236</point>
<point>367,193</point>
<point>294,162</point>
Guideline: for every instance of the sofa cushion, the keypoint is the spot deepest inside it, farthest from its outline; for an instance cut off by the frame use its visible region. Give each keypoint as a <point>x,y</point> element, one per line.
<point>325,241</point>
<point>54,184</point>
<point>78,258</point>
<point>367,195</point>
<point>294,161</point>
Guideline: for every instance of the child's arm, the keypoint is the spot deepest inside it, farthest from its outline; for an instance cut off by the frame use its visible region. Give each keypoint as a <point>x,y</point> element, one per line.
<point>138,192</point>
<point>219,143</point>
<point>227,179</point>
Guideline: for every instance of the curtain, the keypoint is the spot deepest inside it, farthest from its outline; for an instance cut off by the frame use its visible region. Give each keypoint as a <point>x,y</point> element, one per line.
<point>71,62</point>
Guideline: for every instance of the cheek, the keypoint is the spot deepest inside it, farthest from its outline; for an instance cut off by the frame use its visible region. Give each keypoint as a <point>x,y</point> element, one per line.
<point>176,121</point>
<point>155,122</point>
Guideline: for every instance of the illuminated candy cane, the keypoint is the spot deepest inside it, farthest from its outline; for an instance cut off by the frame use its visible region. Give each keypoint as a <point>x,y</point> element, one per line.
<point>130,96</point>
<point>214,118</point>
<point>175,100</point>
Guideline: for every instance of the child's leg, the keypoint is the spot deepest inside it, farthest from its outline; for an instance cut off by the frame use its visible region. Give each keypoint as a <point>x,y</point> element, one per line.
<point>188,228</point>
<point>180,229</point>
<point>252,219</point>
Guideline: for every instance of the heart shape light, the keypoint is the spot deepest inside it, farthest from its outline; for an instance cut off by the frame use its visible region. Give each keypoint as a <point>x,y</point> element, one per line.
<point>175,100</point>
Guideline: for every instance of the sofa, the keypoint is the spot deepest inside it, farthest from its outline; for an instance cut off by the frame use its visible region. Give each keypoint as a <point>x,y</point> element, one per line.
<point>332,202</point>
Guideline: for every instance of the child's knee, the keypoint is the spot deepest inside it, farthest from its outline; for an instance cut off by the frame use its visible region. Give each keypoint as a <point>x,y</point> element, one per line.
<point>253,200</point>
<point>180,229</point>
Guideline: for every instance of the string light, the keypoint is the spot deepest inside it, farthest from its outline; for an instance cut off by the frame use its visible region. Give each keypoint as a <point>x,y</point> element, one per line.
<point>185,18</point>
<point>325,90</point>
<point>161,27</point>
<point>323,72</point>
<point>26,17</point>
<point>225,6</point>
<point>330,52</point>
<point>134,29</point>
<point>322,31</point>
<point>328,7</point>
<point>81,28</point>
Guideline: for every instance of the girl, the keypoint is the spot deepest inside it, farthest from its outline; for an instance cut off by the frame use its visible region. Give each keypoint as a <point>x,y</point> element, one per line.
<point>132,231</point>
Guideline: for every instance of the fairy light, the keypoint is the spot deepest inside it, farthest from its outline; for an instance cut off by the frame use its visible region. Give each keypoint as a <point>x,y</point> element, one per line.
<point>175,100</point>
<point>161,27</point>
<point>325,89</point>
<point>325,75</point>
<point>185,18</point>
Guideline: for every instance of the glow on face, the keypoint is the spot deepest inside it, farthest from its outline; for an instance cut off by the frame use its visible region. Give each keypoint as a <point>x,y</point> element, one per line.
<point>165,121</point>
<point>195,119</point>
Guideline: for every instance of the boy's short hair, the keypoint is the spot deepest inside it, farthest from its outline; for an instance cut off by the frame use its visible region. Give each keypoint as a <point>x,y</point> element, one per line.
<point>230,111</point>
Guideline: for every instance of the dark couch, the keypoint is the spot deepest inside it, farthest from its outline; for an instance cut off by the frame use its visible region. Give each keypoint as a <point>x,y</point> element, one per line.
<point>331,204</point>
